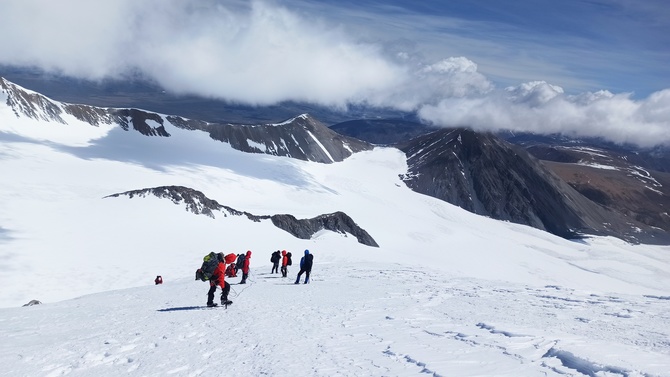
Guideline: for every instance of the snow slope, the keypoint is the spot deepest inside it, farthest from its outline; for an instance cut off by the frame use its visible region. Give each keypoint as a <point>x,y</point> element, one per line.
<point>372,319</point>
<point>447,292</point>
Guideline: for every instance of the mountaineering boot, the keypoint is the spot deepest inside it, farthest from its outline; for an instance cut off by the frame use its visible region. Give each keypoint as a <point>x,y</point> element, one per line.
<point>225,301</point>
<point>211,304</point>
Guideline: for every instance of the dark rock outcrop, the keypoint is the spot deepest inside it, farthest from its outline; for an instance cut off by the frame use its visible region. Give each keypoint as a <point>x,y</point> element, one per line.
<point>199,204</point>
<point>338,222</point>
<point>489,176</point>
<point>194,201</point>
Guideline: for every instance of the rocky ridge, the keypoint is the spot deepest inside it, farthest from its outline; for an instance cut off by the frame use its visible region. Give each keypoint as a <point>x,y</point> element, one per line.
<point>199,204</point>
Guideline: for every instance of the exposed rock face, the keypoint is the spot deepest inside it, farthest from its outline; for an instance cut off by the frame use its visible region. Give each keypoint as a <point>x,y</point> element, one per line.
<point>608,177</point>
<point>30,104</point>
<point>555,147</point>
<point>36,106</point>
<point>199,204</point>
<point>194,200</point>
<point>33,302</point>
<point>139,120</point>
<point>338,222</point>
<point>302,137</point>
<point>486,175</point>
<point>630,180</point>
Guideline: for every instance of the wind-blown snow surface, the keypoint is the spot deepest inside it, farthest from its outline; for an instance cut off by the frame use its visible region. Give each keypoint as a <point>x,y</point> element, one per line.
<point>371,319</point>
<point>446,293</point>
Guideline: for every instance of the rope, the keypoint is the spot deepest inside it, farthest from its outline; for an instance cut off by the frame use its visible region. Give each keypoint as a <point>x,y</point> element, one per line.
<point>249,283</point>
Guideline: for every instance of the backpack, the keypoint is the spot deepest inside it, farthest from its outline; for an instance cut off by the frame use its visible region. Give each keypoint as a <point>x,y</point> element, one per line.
<point>309,258</point>
<point>240,261</point>
<point>209,264</point>
<point>288,262</point>
<point>276,256</point>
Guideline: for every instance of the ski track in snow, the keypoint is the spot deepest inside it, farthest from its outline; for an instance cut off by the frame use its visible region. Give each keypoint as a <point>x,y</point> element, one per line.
<point>371,320</point>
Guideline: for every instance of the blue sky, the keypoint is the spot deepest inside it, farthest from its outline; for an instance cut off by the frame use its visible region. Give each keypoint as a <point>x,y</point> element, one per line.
<point>618,45</point>
<point>583,68</point>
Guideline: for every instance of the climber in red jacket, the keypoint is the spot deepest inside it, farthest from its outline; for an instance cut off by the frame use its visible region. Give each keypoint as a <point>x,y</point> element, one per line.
<point>245,269</point>
<point>218,278</point>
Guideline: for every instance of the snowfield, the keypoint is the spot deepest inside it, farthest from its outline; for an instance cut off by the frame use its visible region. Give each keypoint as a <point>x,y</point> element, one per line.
<point>372,319</point>
<point>447,293</point>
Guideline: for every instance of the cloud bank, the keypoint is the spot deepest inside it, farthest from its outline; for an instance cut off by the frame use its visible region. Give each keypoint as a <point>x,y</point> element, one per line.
<point>261,53</point>
<point>543,108</point>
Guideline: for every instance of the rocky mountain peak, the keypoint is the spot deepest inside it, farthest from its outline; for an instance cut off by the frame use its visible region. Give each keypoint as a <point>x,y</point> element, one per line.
<point>31,104</point>
<point>302,137</point>
<point>489,176</point>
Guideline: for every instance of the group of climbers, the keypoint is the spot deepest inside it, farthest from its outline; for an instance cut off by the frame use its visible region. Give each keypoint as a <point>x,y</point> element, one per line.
<point>285,258</point>
<point>305,264</point>
<point>214,270</point>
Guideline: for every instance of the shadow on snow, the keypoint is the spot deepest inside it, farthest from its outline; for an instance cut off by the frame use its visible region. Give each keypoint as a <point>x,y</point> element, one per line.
<point>177,309</point>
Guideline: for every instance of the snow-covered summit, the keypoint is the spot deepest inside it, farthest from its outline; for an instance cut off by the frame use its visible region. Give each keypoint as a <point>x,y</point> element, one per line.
<point>304,116</point>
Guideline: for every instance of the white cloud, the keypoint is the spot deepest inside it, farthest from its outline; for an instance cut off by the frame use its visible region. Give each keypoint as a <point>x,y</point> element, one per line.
<point>75,37</point>
<point>268,56</point>
<point>451,65</point>
<point>423,84</point>
<point>260,53</point>
<point>535,93</point>
<point>541,108</point>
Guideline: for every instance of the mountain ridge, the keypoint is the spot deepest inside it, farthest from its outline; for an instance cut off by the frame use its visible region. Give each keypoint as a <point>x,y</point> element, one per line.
<point>526,195</point>
<point>301,137</point>
<point>198,203</point>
